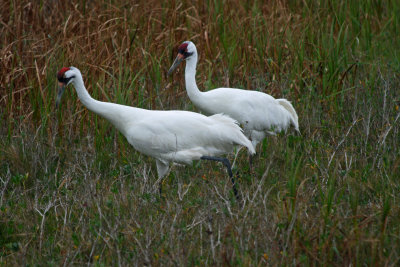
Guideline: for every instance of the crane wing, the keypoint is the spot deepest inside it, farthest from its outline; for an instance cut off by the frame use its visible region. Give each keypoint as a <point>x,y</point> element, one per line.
<point>181,136</point>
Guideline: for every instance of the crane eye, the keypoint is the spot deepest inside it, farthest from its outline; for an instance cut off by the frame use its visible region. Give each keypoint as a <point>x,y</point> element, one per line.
<point>185,53</point>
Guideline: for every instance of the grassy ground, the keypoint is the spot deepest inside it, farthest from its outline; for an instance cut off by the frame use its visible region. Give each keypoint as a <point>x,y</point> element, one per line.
<point>73,192</point>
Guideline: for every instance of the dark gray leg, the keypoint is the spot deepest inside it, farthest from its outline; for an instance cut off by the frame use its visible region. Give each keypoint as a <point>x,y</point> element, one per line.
<point>251,157</point>
<point>227,164</point>
<point>160,188</point>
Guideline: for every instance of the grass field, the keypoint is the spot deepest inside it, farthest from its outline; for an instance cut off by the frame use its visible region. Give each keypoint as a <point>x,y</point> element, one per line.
<point>74,192</point>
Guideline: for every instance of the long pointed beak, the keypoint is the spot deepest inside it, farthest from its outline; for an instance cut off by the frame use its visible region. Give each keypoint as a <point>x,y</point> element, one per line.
<point>176,63</point>
<point>61,89</point>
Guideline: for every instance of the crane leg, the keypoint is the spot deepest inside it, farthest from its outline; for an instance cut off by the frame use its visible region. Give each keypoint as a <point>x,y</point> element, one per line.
<point>227,164</point>
<point>251,157</point>
<point>162,170</point>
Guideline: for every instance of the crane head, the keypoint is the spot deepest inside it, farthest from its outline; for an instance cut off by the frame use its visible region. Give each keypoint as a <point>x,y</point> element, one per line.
<point>64,77</point>
<point>185,50</point>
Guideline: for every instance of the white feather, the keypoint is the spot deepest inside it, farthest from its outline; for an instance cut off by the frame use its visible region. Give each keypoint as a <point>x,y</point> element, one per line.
<point>169,136</point>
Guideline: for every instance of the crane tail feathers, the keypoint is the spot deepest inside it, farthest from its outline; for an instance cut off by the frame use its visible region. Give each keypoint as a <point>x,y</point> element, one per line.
<point>239,138</point>
<point>251,148</point>
<point>162,168</point>
<point>288,106</point>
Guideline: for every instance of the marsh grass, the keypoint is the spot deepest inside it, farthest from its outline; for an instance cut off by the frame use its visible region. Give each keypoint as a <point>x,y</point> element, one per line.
<point>73,192</point>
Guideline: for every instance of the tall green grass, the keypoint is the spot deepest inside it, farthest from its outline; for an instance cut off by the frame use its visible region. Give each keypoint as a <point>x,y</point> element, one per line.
<point>73,192</point>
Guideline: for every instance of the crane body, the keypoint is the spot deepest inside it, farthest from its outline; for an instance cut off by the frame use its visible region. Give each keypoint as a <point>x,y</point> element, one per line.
<point>258,113</point>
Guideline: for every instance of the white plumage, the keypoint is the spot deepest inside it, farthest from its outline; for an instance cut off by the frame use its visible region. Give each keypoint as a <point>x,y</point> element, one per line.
<point>258,113</point>
<point>168,136</point>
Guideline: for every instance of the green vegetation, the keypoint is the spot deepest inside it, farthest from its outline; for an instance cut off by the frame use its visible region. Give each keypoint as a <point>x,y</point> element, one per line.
<point>73,191</point>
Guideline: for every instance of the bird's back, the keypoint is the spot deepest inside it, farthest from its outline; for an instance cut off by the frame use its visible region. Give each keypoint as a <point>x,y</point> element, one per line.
<point>182,136</point>
<point>252,109</point>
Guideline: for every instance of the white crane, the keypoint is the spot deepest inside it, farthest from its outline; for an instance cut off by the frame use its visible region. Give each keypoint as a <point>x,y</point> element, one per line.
<point>258,113</point>
<point>168,136</point>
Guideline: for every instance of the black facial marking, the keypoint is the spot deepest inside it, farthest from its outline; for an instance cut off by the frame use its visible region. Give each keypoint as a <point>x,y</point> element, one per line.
<point>185,53</point>
<point>65,80</point>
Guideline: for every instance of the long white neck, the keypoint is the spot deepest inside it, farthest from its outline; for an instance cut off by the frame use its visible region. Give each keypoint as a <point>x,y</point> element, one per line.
<point>118,115</point>
<point>94,105</point>
<point>190,79</point>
